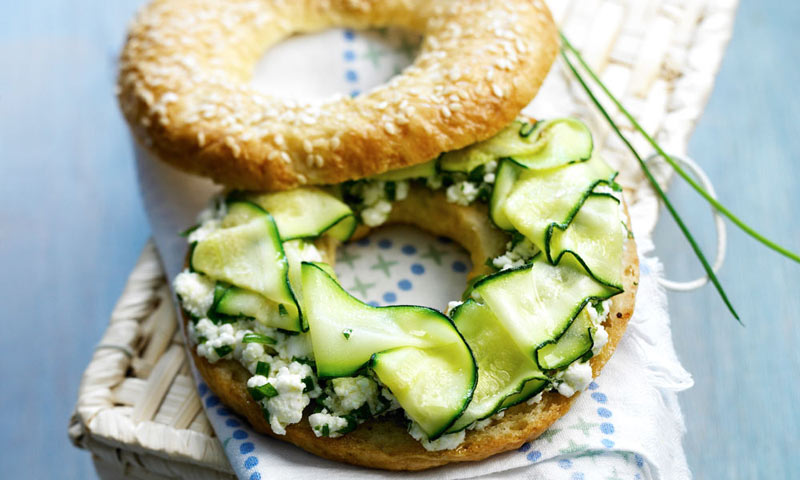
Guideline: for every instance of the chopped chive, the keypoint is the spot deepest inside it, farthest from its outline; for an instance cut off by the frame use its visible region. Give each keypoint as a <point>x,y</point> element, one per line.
<point>326,430</point>
<point>223,350</point>
<point>346,332</point>
<point>691,181</point>
<point>189,230</point>
<point>262,368</point>
<point>309,384</point>
<point>201,339</point>
<point>258,338</point>
<point>653,182</point>
<point>390,188</point>
<point>262,392</point>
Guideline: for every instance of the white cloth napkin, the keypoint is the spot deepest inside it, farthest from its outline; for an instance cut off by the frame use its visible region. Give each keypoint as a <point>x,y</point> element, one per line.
<point>627,425</point>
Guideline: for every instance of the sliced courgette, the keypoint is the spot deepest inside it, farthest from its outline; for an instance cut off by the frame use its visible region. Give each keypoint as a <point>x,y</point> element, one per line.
<point>547,144</point>
<point>592,240</point>
<point>433,385</point>
<point>307,212</point>
<point>331,311</point>
<point>502,368</point>
<point>422,170</point>
<point>537,302</point>
<point>531,388</point>
<point>507,174</point>
<point>240,212</point>
<point>539,199</point>
<point>239,302</point>
<point>248,255</point>
<point>572,345</point>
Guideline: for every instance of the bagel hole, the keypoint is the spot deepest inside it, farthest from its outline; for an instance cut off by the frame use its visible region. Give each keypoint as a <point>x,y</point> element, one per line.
<point>321,65</point>
<point>403,265</point>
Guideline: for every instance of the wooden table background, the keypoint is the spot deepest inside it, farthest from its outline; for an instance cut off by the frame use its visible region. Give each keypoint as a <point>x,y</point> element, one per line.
<point>72,226</point>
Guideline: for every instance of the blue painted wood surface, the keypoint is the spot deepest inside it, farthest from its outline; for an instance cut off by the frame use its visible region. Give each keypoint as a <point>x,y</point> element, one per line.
<point>72,226</point>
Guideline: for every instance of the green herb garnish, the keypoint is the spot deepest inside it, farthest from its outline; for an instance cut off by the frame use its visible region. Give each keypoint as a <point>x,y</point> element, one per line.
<point>262,392</point>
<point>566,48</point>
<point>696,186</point>
<point>262,368</point>
<point>189,230</point>
<point>346,332</point>
<point>223,350</point>
<point>258,338</point>
<point>309,384</point>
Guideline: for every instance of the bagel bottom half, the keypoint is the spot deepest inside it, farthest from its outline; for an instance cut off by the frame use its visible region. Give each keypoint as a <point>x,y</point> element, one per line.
<point>384,442</point>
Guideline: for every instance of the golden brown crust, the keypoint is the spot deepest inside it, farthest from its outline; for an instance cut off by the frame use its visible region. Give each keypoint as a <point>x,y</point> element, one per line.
<point>185,72</point>
<point>385,443</point>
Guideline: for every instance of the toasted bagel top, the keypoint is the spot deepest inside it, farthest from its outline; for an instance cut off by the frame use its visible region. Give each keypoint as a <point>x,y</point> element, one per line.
<point>186,68</point>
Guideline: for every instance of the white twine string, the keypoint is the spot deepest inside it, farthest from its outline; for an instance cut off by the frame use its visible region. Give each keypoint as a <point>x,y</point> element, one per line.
<point>719,223</point>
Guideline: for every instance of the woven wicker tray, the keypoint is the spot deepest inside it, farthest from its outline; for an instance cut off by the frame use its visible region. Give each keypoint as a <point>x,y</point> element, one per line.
<point>138,412</point>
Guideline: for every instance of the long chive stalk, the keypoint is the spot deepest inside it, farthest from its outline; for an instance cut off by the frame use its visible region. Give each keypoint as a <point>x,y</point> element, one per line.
<point>654,183</point>
<point>691,181</point>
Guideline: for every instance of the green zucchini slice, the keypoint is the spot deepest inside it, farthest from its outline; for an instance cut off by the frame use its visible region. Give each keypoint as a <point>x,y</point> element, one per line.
<point>248,255</point>
<point>545,145</point>
<point>502,368</point>
<point>539,199</point>
<point>238,302</point>
<point>530,389</point>
<point>507,174</point>
<point>331,312</point>
<point>572,345</point>
<point>433,385</point>
<point>592,240</point>
<point>307,212</point>
<point>536,303</point>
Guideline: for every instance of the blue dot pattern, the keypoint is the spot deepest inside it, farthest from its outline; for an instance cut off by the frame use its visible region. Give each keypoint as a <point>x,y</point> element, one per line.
<point>246,448</point>
<point>250,462</point>
<point>422,270</point>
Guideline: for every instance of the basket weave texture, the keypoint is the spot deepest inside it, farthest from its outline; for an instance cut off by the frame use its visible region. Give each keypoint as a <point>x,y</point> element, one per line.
<point>138,411</point>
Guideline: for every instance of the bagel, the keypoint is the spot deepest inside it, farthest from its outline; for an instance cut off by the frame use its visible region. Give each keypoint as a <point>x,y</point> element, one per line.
<point>537,212</point>
<point>185,72</point>
<point>384,442</point>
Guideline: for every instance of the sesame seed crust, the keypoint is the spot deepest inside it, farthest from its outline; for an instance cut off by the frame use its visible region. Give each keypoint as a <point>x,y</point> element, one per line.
<point>186,70</point>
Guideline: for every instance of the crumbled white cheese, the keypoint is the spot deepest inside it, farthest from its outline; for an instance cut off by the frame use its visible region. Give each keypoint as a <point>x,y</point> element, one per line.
<point>211,337</point>
<point>401,190</point>
<point>462,193</point>
<point>600,337</point>
<point>445,442</point>
<point>287,407</point>
<point>334,423</point>
<point>535,399</point>
<point>350,393</point>
<point>195,291</point>
<point>256,381</point>
<point>451,306</point>
<point>294,346</point>
<point>574,379</point>
<point>598,316</point>
<point>516,256</point>
<point>376,214</point>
